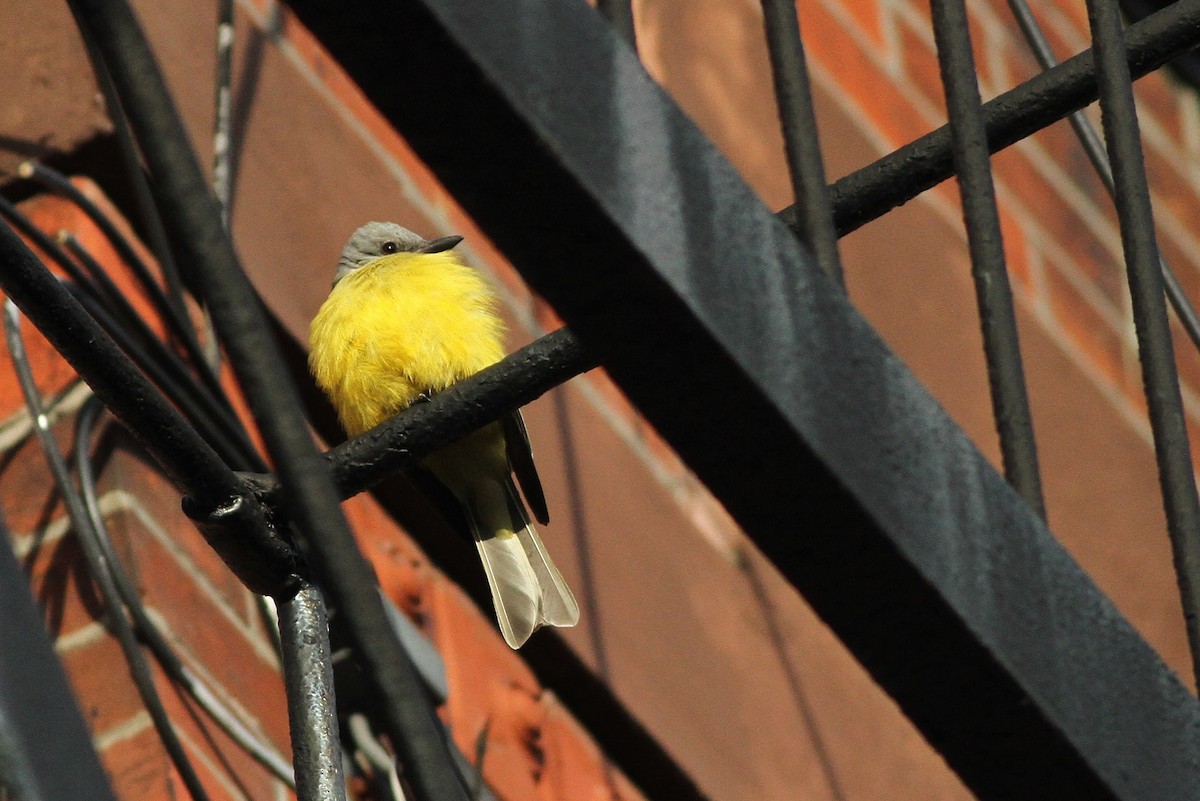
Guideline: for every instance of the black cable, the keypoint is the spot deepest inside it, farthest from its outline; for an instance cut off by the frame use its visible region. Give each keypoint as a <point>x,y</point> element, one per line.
<point>97,562</point>
<point>143,195</point>
<point>178,323</point>
<point>998,319</point>
<point>146,629</point>
<point>311,501</point>
<point>229,442</point>
<point>216,497</point>
<point>1155,350</point>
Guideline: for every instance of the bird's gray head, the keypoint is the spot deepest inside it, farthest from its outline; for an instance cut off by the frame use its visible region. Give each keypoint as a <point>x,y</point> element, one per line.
<point>377,239</point>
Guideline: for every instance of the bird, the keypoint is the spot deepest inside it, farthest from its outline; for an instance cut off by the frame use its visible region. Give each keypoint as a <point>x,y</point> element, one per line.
<point>405,319</point>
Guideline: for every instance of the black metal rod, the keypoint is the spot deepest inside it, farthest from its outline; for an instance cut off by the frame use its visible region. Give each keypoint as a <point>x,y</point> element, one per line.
<point>187,459</point>
<point>94,556</point>
<point>898,177</point>
<point>312,712</point>
<point>993,294</point>
<point>1093,146</point>
<point>361,462</point>
<point>1155,350</point>
<point>311,501</point>
<point>619,14</point>
<point>802,144</point>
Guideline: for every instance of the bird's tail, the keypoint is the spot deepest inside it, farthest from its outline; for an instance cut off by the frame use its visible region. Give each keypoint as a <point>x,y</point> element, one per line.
<point>527,589</point>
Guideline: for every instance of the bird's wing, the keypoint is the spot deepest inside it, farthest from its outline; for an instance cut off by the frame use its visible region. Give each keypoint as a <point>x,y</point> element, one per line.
<point>520,459</point>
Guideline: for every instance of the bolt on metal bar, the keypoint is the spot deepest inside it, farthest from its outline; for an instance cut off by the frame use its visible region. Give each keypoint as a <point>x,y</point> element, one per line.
<point>802,144</point>
<point>1155,350</point>
<point>900,176</point>
<point>1093,146</point>
<point>1001,343</point>
<point>310,499</point>
<point>312,711</point>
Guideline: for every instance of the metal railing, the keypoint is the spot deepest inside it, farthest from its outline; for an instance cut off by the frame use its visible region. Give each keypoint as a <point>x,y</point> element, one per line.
<point>828,427</point>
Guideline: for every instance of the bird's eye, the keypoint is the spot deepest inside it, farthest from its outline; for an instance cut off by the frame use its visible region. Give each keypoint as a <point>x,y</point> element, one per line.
<point>390,247</point>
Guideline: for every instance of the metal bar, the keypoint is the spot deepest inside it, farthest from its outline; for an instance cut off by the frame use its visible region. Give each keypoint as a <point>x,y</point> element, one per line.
<point>312,711</point>
<point>814,210</point>
<point>261,560</point>
<point>825,448</point>
<point>1001,344</point>
<point>310,499</point>
<point>1155,350</point>
<point>905,173</point>
<point>1093,146</point>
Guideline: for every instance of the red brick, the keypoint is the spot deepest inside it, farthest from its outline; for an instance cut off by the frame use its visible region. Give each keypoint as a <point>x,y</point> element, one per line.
<point>572,765</point>
<point>1016,252</point>
<point>1090,332</point>
<point>196,627</point>
<point>872,90</point>
<point>235,766</point>
<point>103,685</point>
<point>870,16</point>
<point>921,70</point>
<point>161,503</point>
<point>1064,228</point>
<point>478,663</point>
<point>62,585</point>
<point>1171,191</point>
<point>139,769</point>
<point>403,571</point>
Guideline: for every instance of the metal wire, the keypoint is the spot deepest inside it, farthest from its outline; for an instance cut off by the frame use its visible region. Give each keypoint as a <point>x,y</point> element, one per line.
<point>1093,146</point>
<point>245,541</point>
<point>149,633</point>
<point>177,322</point>
<point>97,562</point>
<point>798,122</point>
<point>1006,375</point>
<point>1155,350</point>
<point>223,112</point>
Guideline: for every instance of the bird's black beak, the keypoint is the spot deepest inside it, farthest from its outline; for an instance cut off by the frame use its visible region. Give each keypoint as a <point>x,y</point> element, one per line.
<point>440,245</point>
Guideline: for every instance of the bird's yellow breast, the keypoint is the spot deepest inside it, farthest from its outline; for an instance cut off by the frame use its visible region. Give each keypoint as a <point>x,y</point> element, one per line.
<point>401,325</point>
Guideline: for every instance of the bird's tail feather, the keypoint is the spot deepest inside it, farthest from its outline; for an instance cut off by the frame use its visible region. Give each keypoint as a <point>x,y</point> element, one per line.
<point>527,589</point>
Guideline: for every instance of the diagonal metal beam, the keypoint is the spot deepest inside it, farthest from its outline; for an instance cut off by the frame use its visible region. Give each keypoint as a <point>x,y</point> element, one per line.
<point>825,448</point>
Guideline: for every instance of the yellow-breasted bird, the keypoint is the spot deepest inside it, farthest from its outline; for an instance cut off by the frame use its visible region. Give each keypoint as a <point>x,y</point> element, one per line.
<point>405,319</point>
